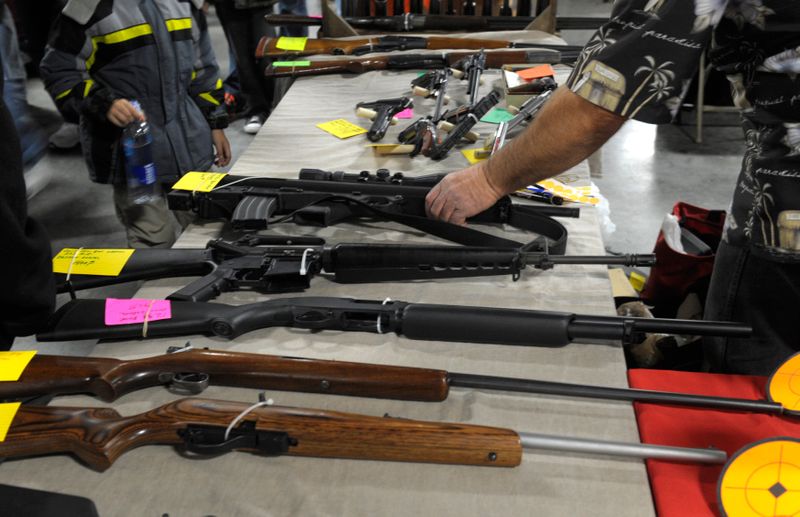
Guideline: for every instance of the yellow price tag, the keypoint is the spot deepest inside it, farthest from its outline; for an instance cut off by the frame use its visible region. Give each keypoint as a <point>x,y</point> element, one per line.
<point>340,128</point>
<point>7,413</point>
<point>12,364</point>
<point>103,262</point>
<point>199,181</point>
<point>287,43</point>
<point>638,281</point>
<point>471,155</point>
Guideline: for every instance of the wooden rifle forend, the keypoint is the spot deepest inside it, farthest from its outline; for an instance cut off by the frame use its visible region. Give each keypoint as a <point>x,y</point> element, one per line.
<point>190,370</point>
<point>98,436</point>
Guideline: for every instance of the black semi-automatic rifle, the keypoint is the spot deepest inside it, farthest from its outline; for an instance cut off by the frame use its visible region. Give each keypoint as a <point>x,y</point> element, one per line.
<point>187,370</point>
<point>254,203</point>
<point>421,23</point>
<point>282,265</point>
<point>427,61</point>
<point>268,47</point>
<point>85,319</point>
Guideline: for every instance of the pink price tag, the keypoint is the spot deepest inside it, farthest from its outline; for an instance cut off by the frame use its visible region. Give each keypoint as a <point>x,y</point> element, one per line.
<point>406,113</point>
<point>136,310</point>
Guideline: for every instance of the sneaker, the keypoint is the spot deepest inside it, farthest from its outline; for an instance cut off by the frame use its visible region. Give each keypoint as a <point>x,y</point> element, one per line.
<point>254,123</point>
<point>66,138</point>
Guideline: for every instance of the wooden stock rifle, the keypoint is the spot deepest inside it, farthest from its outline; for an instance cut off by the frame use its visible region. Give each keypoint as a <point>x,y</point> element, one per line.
<point>431,22</point>
<point>85,319</point>
<point>270,47</point>
<point>188,371</point>
<point>99,436</point>
<point>422,61</point>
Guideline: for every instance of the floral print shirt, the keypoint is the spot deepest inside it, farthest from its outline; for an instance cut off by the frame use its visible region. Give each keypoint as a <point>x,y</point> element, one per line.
<point>640,63</point>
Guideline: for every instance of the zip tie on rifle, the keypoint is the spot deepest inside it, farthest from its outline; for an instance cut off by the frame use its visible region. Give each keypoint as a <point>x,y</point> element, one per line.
<point>303,263</point>
<point>146,318</point>
<point>378,325</point>
<point>260,403</point>
<point>69,274</point>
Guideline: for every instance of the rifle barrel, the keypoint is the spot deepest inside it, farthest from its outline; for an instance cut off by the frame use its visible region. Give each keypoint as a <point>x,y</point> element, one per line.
<point>485,382</point>
<point>626,450</point>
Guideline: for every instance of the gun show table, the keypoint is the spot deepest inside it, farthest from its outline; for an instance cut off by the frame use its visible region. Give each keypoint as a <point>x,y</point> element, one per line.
<point>155,480</point>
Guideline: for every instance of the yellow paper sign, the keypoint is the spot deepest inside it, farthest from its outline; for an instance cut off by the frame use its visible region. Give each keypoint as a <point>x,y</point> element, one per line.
<point>287,43</point>
<point>577,194</point>
<point>12,364</point>
<point>340,128</point>
<point>103,262</point>
<point>199,181</point>
<point>7,413</point>
<point>384,149</point>
<point>470,155</point>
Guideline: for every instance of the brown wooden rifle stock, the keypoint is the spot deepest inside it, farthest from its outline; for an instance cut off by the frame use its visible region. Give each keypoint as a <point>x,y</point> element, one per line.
<point>427,61</point>
<point>98,436</point>
<point>191,370</point>
<point>268,47</point>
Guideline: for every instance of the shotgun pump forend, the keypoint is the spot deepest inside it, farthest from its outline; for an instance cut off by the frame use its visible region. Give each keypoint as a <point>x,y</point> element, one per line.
<point>267,266</point>
<point>85,319</point>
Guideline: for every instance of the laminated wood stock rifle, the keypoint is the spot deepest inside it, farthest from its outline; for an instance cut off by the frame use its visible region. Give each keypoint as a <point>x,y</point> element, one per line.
<point>99,436</point>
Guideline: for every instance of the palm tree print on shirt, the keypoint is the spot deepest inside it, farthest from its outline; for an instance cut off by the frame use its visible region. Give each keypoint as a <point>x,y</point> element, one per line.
<point>762,203</point>
<point>707,14</point>
<point>658,78</point>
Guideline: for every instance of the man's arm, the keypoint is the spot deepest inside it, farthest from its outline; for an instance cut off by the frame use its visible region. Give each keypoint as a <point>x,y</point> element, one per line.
<point>566,131</point>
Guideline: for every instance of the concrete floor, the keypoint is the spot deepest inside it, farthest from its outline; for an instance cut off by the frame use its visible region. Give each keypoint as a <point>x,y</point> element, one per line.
<point>646,170</point>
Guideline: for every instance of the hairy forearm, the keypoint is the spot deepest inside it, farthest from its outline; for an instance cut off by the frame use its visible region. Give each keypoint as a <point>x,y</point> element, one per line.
<point>566,131</point>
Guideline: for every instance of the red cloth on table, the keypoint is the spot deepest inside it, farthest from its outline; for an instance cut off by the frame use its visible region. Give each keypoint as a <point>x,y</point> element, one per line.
<point>686,489</point>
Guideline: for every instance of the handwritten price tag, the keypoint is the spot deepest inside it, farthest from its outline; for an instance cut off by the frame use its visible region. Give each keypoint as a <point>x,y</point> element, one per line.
<point>287,43</point>
<point>290,64</point>
<point>136,310</point>
<point>12,364</point>
<point>199,181</point>
<point>103,262</point>
<point>7,413</point>
<point>340,128</point>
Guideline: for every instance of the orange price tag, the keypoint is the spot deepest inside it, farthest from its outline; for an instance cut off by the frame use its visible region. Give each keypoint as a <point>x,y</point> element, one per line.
<point>529,74</point>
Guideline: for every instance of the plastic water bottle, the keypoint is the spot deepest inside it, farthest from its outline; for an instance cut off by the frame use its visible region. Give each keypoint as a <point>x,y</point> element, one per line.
<point>137,143</point>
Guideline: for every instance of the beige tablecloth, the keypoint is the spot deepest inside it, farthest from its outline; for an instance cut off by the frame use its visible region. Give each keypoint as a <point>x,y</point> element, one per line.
<point>155,480</point>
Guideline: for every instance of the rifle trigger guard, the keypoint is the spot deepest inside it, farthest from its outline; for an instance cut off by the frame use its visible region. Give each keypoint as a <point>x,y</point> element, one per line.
<point>188,383</point>
<point>209,440</point>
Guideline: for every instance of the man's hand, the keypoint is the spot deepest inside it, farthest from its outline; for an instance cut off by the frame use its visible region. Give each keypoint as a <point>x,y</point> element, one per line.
<point>122,113</point>
<point>461,195</point>
<point>222,147</point>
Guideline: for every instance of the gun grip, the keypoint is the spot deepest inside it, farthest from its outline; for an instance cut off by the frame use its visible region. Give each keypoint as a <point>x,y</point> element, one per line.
<point>254,212</point>
<point>201,290</point>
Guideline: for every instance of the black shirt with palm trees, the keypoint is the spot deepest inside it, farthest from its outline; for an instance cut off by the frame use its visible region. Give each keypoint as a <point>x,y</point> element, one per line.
<point>640,63</point>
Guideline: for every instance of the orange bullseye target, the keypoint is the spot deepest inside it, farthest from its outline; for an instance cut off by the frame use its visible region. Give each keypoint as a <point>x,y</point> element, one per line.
<point>784,384</point>
<point>762,480</point>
